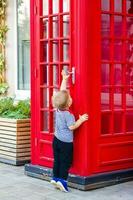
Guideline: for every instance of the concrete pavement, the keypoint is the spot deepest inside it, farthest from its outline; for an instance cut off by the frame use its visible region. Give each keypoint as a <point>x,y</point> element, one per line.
<point>14,185</point>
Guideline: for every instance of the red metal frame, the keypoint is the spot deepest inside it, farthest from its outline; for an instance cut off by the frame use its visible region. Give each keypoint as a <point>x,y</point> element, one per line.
<point>94,151</point>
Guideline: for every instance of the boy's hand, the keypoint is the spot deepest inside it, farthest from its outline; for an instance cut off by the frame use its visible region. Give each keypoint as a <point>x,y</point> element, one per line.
<point>64,75</point>
<point>83,117</point>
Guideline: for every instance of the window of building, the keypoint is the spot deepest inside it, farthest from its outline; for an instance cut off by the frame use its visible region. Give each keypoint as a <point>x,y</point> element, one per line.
<point>23,44</point>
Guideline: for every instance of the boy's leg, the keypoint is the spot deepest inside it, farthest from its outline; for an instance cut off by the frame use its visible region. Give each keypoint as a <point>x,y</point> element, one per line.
<point>56,166</point>
<point>66,157</point>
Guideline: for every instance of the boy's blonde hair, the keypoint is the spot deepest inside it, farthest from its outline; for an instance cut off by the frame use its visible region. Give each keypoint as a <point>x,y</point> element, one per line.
<point>60,99</point>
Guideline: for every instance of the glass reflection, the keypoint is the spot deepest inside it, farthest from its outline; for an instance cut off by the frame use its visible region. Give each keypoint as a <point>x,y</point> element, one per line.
<point>118,50</point>
<point>129,98</point>
<point>65,50</point>
<point>55,27</point>
<point>129,121</point>
<point>55,75</point>
<point>118,26</point>
<point>45,28</point>
<point>45,7</point>
<point>55,51</point>
<point>117,98</point>
<point>129,5</point>
<point>105,5</point>
<point>105,123</point>
<point>66,26</point>
<point>105,99</point>
<point>46,98</point>
<point>118,5</point>
<point>105,25</point>
<point>105,52</point>
<point>129,84</point>
<point>118,122</point>
<point>105,74</point>
<point>55,6</point>
<point>44,75</point>
<point>130,27</point>
<point>117,74</point>
<point>45,121</point>
<point>66,5</point>
<point>45,54</point>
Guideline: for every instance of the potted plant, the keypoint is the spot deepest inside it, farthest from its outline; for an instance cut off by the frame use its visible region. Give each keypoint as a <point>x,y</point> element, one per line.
<point>14,131</point>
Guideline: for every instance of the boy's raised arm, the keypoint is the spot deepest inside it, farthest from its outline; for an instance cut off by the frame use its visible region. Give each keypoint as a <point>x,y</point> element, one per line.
<point>64,80</point>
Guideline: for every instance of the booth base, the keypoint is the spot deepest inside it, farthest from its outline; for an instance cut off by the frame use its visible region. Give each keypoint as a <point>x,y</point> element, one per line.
<point>83,183</point>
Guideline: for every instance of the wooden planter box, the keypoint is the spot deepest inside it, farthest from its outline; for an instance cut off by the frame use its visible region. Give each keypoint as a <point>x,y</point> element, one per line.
<point>14,141</point>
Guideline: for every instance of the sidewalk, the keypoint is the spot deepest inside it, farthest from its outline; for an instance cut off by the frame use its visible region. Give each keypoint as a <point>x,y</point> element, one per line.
<point>14,185</point>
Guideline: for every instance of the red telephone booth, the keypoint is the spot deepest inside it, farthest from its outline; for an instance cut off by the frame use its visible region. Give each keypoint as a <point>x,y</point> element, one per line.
<point>95,40</point>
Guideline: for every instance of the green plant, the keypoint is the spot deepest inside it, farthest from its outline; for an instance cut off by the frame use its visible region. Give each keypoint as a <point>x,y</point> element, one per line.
<point>3,31</point>
<point>2,62</point>
<point>3,88</point>
<point>3,4</point>
<point>18,110</point>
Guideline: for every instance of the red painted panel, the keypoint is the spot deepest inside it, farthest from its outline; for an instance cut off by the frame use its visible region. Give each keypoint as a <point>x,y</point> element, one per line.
<point>97,42</point>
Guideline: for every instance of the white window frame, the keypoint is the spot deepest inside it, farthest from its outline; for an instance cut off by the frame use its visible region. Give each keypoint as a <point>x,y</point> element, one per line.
<point>19,94</point>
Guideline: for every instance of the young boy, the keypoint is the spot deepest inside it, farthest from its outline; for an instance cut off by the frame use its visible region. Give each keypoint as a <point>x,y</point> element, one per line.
<point>63,140</point>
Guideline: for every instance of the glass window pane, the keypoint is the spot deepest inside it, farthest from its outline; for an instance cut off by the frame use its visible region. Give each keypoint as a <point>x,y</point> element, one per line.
<point>117,98</point>
<point>105,30</point>
<point>23,26</point>
<point>44,52</point>
<point>45,97</point>
<point>118,5</point>
<point>66,5</point>
<point>55,75</point>
<point>105,99</point>
<point>105,5</point>
<point>118,26</point>
<point>45,7</point>
<point>129,97</point>
<point>129,51</point>
<point>118,122</point>
<point>105,52</point>
<point>129,121</point>
<point>44,28</point>
<point>105,123</point>
<point>55,27</point>
<point>129,6</point>
<point>65,50</point>
<point>45,121</point>
<point>105,74</point>
<point>55,6</point>
<point>66,27</point>
<point>130,27</point>
<point>117,74</point>
<point>55,51</point>
<point>44,74</point>
<point>129,75</point>
<point>118,50</point>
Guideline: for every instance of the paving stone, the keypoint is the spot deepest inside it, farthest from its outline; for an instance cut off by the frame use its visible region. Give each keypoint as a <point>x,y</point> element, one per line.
<point>15,185</point>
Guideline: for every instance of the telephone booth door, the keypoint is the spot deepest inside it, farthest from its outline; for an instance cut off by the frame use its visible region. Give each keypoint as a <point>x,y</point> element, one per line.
<point>51,51</point>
